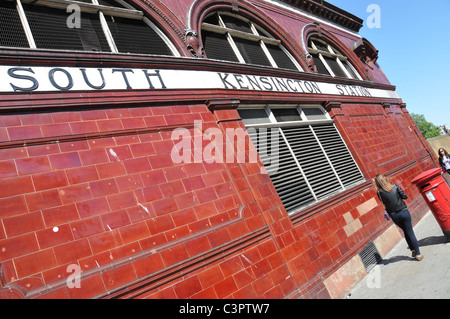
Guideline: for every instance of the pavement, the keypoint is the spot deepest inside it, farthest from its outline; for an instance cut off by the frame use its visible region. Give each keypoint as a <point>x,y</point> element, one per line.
<point>398,276</point>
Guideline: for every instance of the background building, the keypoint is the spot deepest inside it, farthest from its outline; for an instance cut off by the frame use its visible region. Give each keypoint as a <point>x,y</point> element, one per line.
<point>95,98</point>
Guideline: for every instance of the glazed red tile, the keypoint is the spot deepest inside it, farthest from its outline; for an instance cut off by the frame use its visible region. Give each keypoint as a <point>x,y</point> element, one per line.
<point>34,263</point>
<point>115,219</point>
<point>24,132</point>
<point>137,165</point>
<point>91,287</point>
<point>172,188</point>
<point>60,215</point>
<point>103,187</point>
<point>161,161</point>
<point>10,120</point>
<point>41,150</point>
<point>12,206</point>
<point>93,207</point>
<point>225,288</point>
<point>106,241</point>
<point>43,200</point>
<point>134,232</point>
<point>87,227</point>
<point>155,121</point>
<point>187,287</point>
<point>12,153</point>
<point>112,169</point>
<point>66,117</point>
<point>119,153</point>
<point>22,224</point>
<point>152,178</point>
<point>44,181</point>
<point>71,252</point>
<point>82,175</point>
<point>148,265</point>
<point>129,182</point>
<point>132,123</point>
<point>15,186</point>
<point>75,193</point>
<point>74,146</point>
<point>198,246</point>
<point>158,224</point>
<point>66,160</point>
<point>121,200</point>
<point>18,246</point>
<point>93,156</point>
<point>53,130</point>
<point>84,127</point>
<point>164,206</point>
<point>118,276</point>
<point>148,194</point>
<point>8,169</point>
<point>54,236</point>
<point>90,115</point>
<point>174,255</point>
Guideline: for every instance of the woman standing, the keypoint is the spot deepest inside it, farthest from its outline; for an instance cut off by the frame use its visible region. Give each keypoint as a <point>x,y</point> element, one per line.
<point>444,160</point>
<point>392,196</point>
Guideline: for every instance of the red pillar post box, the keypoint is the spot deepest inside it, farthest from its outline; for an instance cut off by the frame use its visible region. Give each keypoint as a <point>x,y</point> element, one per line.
<point>436,193</point>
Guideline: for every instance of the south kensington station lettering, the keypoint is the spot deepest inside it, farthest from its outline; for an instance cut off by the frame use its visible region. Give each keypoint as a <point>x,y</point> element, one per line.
<point>46,79</point>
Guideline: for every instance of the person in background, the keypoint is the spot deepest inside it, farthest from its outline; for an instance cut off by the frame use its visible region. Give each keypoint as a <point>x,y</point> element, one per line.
<point>444,160</point>
<point>392,197</point>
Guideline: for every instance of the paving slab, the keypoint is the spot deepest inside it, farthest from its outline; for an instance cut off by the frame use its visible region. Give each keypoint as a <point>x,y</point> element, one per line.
<point>399,276</point>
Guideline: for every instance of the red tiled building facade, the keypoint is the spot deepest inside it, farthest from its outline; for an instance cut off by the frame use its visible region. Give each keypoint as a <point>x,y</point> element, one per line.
<point>98,98</point>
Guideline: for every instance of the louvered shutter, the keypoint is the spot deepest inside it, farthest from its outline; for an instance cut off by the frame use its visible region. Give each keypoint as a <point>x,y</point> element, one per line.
<point>134,36</point>
<point>281,59</point>
<point>11,32</point>
<point>338,153</point>
<point>217,47</point>
<point>312,160</point>
<point>252,52</point>
<point>282,168</point>
<point>50,31</point>
<point>306,163</point>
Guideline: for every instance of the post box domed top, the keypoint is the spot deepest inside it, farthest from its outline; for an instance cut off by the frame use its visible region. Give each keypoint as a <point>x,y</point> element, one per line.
<point>427,176</point>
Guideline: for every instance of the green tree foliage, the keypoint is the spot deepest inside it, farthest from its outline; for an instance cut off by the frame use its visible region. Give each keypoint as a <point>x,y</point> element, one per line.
<point>427,129</point>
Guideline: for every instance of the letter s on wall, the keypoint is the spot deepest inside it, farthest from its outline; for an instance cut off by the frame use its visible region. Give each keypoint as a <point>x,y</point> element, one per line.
<point>11,73</point>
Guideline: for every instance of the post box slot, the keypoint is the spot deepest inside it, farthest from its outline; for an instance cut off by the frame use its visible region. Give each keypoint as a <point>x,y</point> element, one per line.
<point>424,186</point>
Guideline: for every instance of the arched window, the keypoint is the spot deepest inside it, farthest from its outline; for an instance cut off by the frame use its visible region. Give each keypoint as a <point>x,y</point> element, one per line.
<point>230,37</point>
<point>87,25</point>
<point>330,61</point>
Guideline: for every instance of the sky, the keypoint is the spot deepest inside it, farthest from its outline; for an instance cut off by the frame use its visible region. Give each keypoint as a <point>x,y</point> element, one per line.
<point>413,40</point>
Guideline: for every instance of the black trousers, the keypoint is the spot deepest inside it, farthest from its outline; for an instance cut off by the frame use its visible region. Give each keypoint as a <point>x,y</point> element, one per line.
<point>403,220</point>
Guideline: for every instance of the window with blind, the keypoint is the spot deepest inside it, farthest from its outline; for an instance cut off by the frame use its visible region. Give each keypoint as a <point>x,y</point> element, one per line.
<point>330,61</point>
<point>303,152</point>
<point>233,38</point>
<point>86,25</point>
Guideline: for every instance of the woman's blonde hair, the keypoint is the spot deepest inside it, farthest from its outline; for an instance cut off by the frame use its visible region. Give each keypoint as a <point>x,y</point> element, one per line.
<point>382,182</point>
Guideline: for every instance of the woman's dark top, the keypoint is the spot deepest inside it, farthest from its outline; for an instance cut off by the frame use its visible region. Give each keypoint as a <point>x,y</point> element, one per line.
<point>393,201</point>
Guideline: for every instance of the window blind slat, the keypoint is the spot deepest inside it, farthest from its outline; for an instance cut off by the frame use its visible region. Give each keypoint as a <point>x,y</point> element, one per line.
<point>313,155</point>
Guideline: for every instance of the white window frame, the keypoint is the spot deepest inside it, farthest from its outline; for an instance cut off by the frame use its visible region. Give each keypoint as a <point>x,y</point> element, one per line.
<point>128,12</point>
<point>332,53</point>
<point>254,36</point>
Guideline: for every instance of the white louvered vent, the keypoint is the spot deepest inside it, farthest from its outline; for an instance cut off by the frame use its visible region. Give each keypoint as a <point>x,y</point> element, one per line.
<point>307,161</point>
